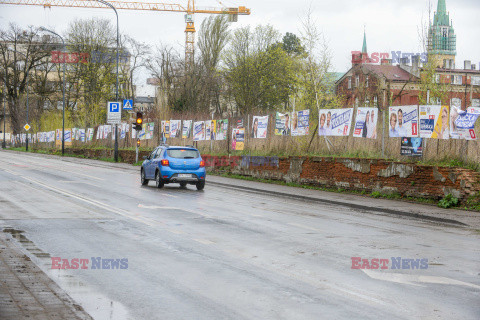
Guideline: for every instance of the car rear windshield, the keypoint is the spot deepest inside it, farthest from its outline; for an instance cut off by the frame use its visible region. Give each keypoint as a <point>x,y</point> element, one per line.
<point>183,153</point>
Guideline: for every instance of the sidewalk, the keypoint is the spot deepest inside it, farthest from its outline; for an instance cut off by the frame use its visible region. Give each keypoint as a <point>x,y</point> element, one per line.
<point>360,203</point>
<point>28,293</point>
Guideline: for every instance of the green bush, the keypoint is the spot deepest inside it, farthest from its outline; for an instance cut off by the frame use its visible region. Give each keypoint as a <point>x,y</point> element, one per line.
<point>448,202</point>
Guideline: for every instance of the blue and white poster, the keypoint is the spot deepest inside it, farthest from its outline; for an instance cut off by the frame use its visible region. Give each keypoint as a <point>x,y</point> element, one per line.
<point>335,122</point>
<point>463,122</point>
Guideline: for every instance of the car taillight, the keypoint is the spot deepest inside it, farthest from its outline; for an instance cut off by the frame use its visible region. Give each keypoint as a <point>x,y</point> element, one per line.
<point>202,164</point>
<point>165,163</point>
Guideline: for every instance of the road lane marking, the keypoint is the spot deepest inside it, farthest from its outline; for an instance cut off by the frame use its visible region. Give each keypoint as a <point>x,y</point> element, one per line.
<point>204,241</point>
<point>413,279</point>
<point>298,225</point>
<point>174,208</point>
<point>175,231</point>
<point>11,172</point>
<point>96,203</point>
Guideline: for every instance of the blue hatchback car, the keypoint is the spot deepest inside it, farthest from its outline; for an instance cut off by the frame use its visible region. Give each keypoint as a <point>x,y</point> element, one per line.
<point>183,165</point>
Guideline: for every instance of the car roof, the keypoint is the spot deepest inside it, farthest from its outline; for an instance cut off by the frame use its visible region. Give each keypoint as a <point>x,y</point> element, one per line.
<point>178,147</point>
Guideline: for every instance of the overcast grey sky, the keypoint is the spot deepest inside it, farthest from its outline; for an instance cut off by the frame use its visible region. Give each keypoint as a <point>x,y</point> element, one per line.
<point>391,25</point>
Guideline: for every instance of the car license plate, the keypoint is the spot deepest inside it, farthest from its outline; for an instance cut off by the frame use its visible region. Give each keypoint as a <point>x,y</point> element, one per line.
<point>184,175</point>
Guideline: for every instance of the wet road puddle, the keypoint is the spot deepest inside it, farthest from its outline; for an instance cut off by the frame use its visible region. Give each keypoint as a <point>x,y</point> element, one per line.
<point>96,304</point>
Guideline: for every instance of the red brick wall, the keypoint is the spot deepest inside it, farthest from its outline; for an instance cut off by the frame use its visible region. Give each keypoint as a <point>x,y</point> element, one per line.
<point>388,177</point>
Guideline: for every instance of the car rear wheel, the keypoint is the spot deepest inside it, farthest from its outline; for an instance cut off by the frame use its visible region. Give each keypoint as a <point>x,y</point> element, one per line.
<point>158,180</point>
<point>200,185</point>
<point>142,178</point>
<point>183,184</point>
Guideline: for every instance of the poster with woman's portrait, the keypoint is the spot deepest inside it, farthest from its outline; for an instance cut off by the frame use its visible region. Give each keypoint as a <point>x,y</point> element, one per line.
<point>366,123</point>
<point>222,128</point>
<point>259,127</point>
<point>434,122</point>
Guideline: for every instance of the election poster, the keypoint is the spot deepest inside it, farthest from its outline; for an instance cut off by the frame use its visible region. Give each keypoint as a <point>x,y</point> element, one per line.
<point>165,128</point>
<point>302,126</point>
<point>366,123</point>
<point>259,127</point>
<point>187,129</point>
<point>462,123</point>
<point>199,131</point>
<point>434,122</point>
<point>335,122</point>
<point>89,134</point>
<point>68,137</point>
<point>411,147</point>
<point>403,121</point>
<point>175,127</point>
<point>82,134</point>
<point>149,130</point>
<point>238,139</point>
<point>142,135</point>
<point>222,129</point>
<point>51,136</point>
<point>213,129</point>
<point>282,124</point>
<point>208,125</point>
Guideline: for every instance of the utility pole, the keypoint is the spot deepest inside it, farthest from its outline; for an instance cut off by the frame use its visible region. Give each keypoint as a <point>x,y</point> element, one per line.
<point>4,144</point>
<point>63,90</point>
<point>115,153</point>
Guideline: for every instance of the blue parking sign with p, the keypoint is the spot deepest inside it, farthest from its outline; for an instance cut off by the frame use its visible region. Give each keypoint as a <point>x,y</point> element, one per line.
<point>127,104</point>
<point>114,106</point>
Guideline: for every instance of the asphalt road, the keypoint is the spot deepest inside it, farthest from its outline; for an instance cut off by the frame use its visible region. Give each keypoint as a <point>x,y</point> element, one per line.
<point>226,253</point>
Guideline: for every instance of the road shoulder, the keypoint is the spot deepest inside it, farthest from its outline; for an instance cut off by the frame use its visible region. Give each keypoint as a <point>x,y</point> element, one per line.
<point>27,292</point>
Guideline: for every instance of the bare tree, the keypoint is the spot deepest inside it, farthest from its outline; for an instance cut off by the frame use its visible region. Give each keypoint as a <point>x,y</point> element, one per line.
<point>213,37</point>
<point>138,53</point>
<point>20,67</point>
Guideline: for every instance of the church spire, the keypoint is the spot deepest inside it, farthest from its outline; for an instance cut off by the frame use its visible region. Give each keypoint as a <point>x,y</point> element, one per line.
<point>364,48</point>
<point>441,6</point>
<point>441,16</point>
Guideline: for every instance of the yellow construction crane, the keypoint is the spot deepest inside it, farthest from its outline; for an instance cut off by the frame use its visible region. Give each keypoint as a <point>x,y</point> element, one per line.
<point>189,11</point>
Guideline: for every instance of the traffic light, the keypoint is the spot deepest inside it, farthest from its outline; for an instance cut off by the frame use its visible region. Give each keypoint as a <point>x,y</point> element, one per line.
<point>139,121</point>
<point>138,142</point>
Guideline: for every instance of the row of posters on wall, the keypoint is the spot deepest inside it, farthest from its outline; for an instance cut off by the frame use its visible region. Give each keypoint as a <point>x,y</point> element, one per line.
<point>202,130</point>
<point>434,122</point>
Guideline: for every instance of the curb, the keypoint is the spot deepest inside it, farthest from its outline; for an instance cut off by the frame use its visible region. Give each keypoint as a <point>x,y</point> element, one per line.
<point>345,204</point>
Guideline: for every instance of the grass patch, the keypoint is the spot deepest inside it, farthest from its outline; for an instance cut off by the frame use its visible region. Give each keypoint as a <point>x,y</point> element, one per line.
<point>374,194</point>
<point>448,202</point>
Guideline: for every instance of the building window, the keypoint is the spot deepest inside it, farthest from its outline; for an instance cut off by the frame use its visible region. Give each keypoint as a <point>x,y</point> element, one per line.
<point>375,101</point>
<point>349,82</point>
<point>457,80</point>
<point>357,81</point>
<point>456,102</point>
<point>476,103</point>
<point>476,80</point>
<point>437,78</point>
<point>445,32</point>
<point>356,102</point>
<point>366,82</point>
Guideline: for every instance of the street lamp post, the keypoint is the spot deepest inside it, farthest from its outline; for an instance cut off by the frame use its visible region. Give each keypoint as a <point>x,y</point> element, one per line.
<point>63,108</point>
<point>4,143</point>
<point>26,76</point>
<point>115,154</point>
